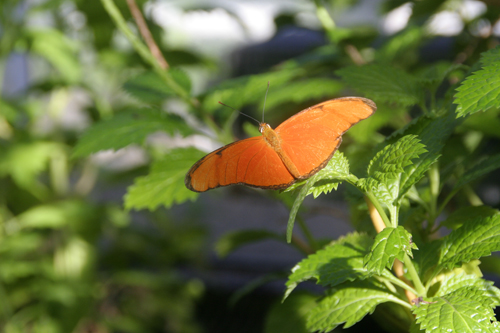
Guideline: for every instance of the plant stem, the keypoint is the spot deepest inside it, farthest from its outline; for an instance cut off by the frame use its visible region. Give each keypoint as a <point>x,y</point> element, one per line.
<point>434,188</point>
<point>144,52</point>
<point>399,283</point>
<point>379,208</point>
<point>419,287</point>
<point>146,34</point>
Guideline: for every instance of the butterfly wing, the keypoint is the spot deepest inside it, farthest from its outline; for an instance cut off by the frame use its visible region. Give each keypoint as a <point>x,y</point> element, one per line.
<point>249,162</point>
<point>311,137</point>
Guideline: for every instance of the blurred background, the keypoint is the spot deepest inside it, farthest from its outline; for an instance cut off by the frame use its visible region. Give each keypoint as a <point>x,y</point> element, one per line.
<point>79,253</point>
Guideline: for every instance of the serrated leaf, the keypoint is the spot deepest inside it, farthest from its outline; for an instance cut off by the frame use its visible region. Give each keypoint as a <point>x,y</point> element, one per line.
<point>300,91</point>
<point>456,312</point>
<point>327,178</point>
<point>433,131</point>
<point>148,87</point>
<point>233,240</point>
<point>484,167</point>
<point>127,128</point>
<point>395,157</point>
<point>338,262</point>
<point>452,282</point>
<point>348,304</point>
<point>383,83</point>
<point>464,214</point>
<point>164,185</point>
<point>390,243</point>
<point>388,167</point>
<point>481,90</point>
<point>476,238</point>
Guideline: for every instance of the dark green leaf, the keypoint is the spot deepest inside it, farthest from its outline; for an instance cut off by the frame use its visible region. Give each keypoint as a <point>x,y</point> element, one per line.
<point>148,87</point>
<point>290,316</point>
<point>233,240</point>
<point>464,214</point>
<point>128,128</point>
<point>383,83</point>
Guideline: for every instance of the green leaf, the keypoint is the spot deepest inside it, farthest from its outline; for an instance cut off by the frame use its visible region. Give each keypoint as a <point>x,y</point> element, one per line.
<point>296,205</point>
<point>395,157</point>
<point>290,316</point>
<point>452,282</point>
<point>348,304</point>
<point>475,239</point>
<point>464,214</point>
<point>338,262</point>
<point>233,240</point>
<point>461,311</point>
<point>300,91</point>
<point>388,167</point>
<point>164,185</point>
<point>127,128</point>
<point>25,161</point>
<point>481,90</point>
<point>383,83</point>
<point>404,43</point>
<point>148,87</point>
<point>59,50</point>
<point>433,131</point>
<point>248,89</point>
<point>484,167</point>
<point>328,178</point>
<point>390,243</point>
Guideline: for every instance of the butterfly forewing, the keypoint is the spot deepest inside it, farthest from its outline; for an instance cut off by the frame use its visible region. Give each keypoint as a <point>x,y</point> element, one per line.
<point>250,162</point>
<point>311,137</point>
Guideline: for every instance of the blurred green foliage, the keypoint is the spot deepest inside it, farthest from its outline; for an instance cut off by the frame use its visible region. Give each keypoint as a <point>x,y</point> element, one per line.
<point>73,258</point>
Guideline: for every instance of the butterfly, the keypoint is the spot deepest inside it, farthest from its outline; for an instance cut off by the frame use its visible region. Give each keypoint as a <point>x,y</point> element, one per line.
<point>297,149</point>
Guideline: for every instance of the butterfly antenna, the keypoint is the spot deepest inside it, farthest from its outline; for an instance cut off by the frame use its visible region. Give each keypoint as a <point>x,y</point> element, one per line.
<point>258,122</point>
<point>265,98</point>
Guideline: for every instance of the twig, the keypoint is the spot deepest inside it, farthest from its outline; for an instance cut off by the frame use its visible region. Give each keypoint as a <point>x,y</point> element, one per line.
<point>146,34</point>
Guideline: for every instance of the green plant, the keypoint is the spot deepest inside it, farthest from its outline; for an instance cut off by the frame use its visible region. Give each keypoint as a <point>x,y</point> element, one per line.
<point>418,280</point>
<point>411,164</point>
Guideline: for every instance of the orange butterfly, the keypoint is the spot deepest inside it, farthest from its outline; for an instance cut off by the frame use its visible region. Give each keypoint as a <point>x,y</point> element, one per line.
<point>298,148</point>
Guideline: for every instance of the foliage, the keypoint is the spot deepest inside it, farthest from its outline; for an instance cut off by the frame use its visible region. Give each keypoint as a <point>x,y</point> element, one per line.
<point>71,260</point>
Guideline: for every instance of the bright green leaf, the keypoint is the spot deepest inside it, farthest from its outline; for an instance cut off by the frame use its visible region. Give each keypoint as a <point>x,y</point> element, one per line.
<point>390,243</point>
<point>59,50</point>
<point>348,303</point>
<point>475,239</point>
<point>327,178</point>
<point>456,312</point>
<point>481,90</point>
<point>338,262</point>
<point>164,185</point>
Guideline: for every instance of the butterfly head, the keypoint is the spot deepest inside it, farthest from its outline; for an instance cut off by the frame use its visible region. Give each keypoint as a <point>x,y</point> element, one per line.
<point>263,127</point>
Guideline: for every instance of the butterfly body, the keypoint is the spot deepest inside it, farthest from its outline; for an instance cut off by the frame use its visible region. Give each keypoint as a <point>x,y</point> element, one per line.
<point>297,149</point>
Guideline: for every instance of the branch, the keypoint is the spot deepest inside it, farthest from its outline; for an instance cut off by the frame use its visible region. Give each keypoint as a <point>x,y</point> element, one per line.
<point>146,34</point>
